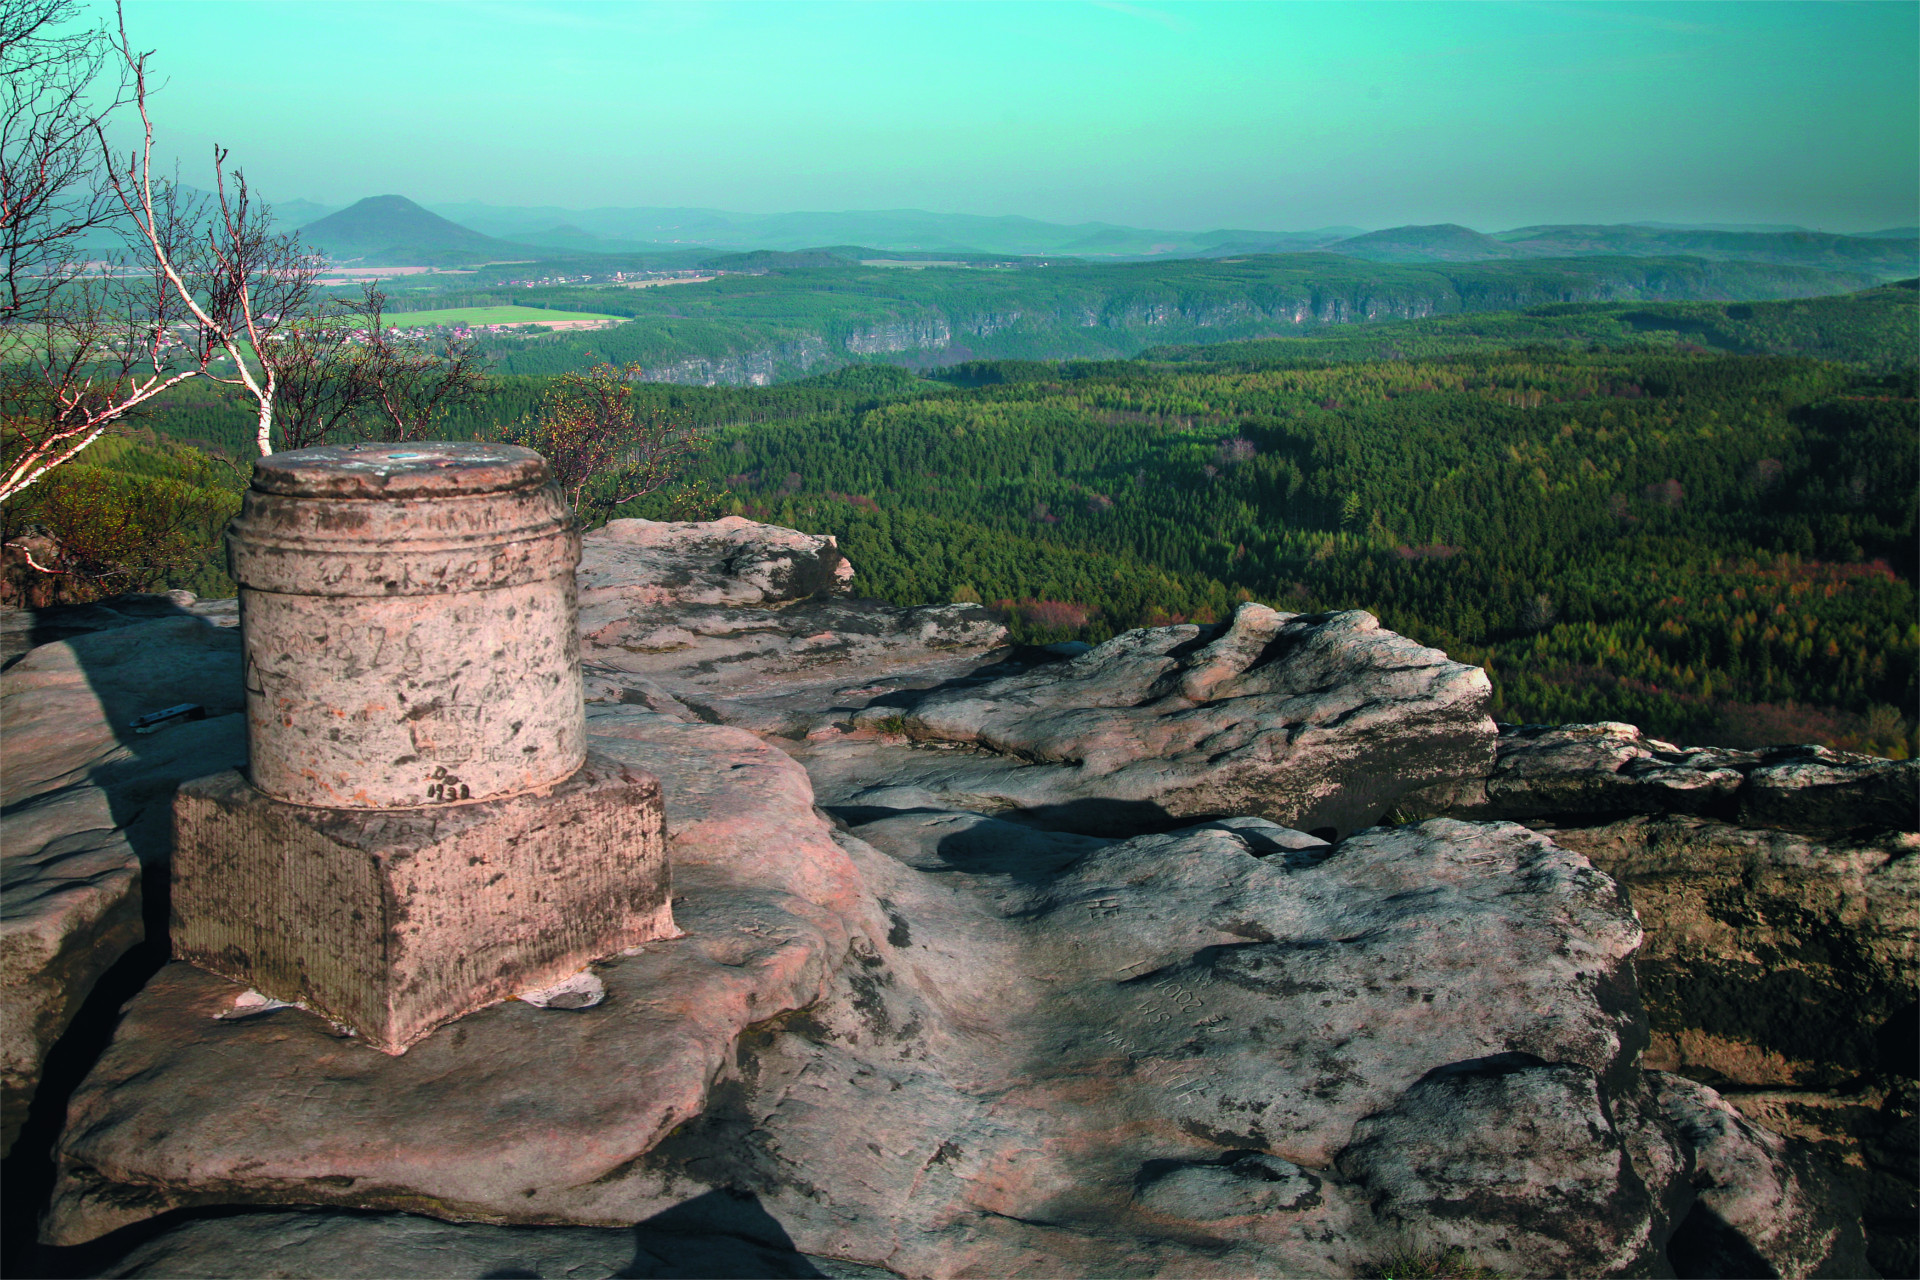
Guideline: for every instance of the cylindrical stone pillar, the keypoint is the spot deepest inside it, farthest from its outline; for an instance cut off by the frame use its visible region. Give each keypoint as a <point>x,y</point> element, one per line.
<point>409,619</point>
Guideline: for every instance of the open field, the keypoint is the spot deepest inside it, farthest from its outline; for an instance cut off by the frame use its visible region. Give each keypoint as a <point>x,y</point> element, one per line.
<point>477,316</point>
<point>380,273</point>
<point>654,284</point>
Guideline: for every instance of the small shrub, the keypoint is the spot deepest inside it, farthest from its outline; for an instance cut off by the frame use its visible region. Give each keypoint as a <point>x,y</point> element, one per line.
<point>1056,615</point>
<point>1429,1264</point>
<point>105,529</point>
<point>698,500</point>
<point>605,448</point>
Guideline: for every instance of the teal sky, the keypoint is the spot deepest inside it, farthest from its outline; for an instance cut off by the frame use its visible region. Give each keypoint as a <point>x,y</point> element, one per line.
<point>1183,116</point>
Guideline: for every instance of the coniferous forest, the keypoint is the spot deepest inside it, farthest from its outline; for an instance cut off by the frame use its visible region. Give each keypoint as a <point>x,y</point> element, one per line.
<point>1715,543</point>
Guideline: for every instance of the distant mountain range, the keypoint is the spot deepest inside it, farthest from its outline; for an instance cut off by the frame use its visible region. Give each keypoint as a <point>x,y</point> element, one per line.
<point>393,230</point>
<point>1885,256</point>
<point>616,231</point>
<point>898,230</point>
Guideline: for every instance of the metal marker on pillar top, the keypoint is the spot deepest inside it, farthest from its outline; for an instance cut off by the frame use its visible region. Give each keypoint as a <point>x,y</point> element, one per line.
<point>410,616</point>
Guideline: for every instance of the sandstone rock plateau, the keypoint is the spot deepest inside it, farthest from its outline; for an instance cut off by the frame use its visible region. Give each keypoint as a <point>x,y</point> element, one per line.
<point>1004,962</point>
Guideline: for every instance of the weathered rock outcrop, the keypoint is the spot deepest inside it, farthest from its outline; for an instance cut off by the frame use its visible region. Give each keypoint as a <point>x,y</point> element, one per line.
<point>1780,890</point>
<point>1314,721</point>
<point>747,624</point>
<point>1590,772</point>
<point>1778,960</point>
<point>1022,1055</point>
<point>1764,1206</point>
<point>1782,968</point>
<point>1010,1000</point>
<point>1526,1163</point>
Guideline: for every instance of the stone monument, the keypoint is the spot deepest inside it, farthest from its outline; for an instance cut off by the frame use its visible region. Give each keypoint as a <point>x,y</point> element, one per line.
<point>421,830</point>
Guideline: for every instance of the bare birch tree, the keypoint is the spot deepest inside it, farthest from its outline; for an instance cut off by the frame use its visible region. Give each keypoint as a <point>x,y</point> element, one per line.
<point>241,285</point>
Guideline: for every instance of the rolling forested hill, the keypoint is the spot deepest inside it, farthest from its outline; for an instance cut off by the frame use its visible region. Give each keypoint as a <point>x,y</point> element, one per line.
<point>1874,329</point>
<point>1617,520</point>
<point>788,322</point>
<point>1882,256</point>
<point>917,230</point>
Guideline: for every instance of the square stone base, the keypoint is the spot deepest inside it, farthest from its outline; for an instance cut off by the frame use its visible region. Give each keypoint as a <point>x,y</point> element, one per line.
<point>395,921</point>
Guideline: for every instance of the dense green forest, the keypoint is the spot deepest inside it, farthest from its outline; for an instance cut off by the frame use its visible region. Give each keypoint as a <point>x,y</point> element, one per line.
<point>1616,521</point>
<point>1714,547</point>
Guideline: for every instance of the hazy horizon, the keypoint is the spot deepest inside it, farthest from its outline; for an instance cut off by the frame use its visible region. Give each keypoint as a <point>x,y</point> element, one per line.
<point>1182,117</point>
<point>447,206</point>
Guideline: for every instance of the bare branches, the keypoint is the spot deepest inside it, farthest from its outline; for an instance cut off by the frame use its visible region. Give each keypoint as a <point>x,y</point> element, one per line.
<point>590,430</point>
<point>410,383</point>
<point>99,348</point>
<point>87,335</point>
<point>347,374</point>
<point>51,105</point>
<point>319,393</point>
<point>56,316</point>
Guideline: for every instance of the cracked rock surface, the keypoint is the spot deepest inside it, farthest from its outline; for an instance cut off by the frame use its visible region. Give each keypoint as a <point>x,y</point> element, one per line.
<point>1318,722</point>
<point>1780,890</point>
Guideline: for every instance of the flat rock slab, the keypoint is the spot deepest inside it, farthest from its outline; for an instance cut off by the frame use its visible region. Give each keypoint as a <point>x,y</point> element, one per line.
<point>23,630</point>
<point>725,1239</point>
<point>67,705</point>
<point>280,1106</point>
<point>87,805</point>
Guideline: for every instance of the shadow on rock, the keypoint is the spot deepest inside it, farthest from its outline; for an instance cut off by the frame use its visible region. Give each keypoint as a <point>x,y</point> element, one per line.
<point>88,832</point>
<point>1704,1247</point>
<point>724,1233</point>
<point>25,629</point>
<point>719,1234</point>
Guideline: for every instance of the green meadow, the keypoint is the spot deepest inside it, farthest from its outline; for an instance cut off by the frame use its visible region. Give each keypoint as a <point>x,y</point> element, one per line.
<point>491,315</point>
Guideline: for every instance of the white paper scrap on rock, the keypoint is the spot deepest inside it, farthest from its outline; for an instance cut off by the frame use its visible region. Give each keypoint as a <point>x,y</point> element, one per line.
<point>581,991</point>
